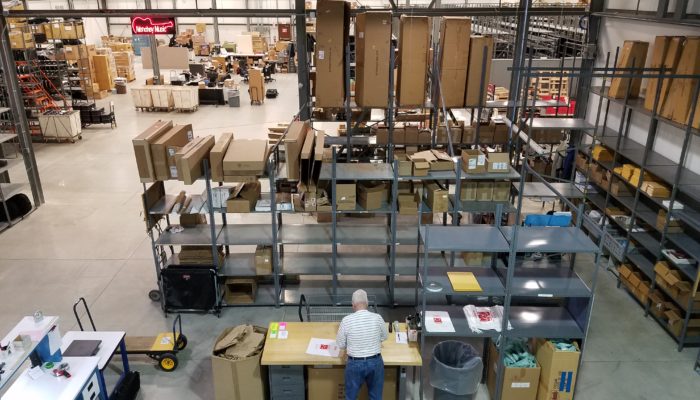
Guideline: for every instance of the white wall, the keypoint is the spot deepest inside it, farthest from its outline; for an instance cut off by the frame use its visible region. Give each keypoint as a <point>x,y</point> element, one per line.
<point>669,140</point>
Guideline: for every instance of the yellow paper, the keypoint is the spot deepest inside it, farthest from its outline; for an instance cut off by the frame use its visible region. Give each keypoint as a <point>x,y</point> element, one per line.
<point>464,282</point>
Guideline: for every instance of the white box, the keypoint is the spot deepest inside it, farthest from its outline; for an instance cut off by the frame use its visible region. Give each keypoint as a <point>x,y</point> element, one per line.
<point>64,126</point>
<point>142,97</point>
<point>185,97</point>
<point>162,96</point>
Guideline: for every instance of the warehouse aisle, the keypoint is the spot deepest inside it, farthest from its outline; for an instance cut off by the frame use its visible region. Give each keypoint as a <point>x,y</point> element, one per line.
<point>89,240</point>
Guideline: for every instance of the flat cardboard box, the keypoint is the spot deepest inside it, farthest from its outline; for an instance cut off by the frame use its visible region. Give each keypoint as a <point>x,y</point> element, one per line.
<point>437,198</point>
<point>473,161</point>
<point>371,196</point>
<point>680,96</point>
<point>454,42</point>
<point>326,383</point>
<point>243,198</point>
<point>480,48</point>
<point>245,157</point>
<point>414,43</point>
<point>142,149</point>
<point>189,165</point>
<point>346,195</point>
<point>666,54</point>
<point>373,40</point>
<point>332,25</point>
<point>238,379</point>
<point>518,383</point>
<point>501,191</point>
<point>555,364</point>
<point>499,162</point>
<point>294,142</point>
<point>306,157</point>
<point>163,150</point>
<point>216,157</point>
<point>632,55</point>
<point>468,191</point>
<point>484,191</point>
<point>263,260</point>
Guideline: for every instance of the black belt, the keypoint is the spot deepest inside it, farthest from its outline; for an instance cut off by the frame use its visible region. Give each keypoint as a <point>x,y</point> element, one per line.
<point>364,358</point>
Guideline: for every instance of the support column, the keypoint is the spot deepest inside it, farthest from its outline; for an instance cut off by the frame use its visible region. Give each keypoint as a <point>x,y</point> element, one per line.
<point>154,52</point>
<point>216,23</point>
<point>102,4</point>
<point>7,63</point>
<point>303,57</point>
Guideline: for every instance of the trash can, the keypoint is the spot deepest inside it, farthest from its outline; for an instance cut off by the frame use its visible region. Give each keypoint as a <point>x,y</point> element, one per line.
<point>455,371</point>
<point>234,98</point>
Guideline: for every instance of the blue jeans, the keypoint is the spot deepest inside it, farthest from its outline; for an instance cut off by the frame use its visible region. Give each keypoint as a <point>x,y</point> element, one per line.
<point>358,372</point>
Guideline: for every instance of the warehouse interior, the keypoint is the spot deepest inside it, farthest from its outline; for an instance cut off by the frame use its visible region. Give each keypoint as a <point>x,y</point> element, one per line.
<point>402,141</point>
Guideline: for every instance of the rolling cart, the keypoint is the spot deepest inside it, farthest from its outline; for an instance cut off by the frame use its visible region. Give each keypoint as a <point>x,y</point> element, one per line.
<point>163,348</point>
<point>321,310</point>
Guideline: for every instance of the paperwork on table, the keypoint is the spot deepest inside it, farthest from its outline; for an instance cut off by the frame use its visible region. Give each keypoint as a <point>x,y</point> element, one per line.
<point>323,347</point>
<point>438,321</point>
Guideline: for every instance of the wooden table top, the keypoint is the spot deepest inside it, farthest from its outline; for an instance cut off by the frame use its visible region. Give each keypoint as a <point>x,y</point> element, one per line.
<point>292,351</point>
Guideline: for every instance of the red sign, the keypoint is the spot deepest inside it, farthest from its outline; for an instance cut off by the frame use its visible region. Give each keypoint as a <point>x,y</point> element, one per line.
<point>152,26</point>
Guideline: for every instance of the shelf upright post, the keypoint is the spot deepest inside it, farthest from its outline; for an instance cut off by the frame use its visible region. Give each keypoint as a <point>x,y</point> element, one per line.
<point>420,284</point>
<point>303,59</point>
<point>390,106</point>
<point>674,193</point>
<point>435,93</point>
<point>273,209</point>
<point>392,227</point>
<point>456,216</point>
<point>348,108</point>
<point>482,82</point>
<point>150,225</point>
<point>334,226</point>
<point>212,220</point>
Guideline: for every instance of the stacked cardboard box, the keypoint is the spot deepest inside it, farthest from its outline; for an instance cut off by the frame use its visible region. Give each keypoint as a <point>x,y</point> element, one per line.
<point>601,153</point>
<point>480,51</point>
<point>124,61</point>
<point>244,197</point>
<point>518,383</point>
<point>200,45</point>
<point>676,285</point>
<point>558,371</point>
<point>633,55</point>
<point>103,71</point>
<point>256,86</point>
<point>20,40</point>
<point>331,37</point>
<point>142,149</point>
<point>454,42</point>
<point>64,30</point>
<point>188,160</point>
<point>666,54</point>
<point>680,98</point>
<point>199,255</point>
<point>244,160</point>
<point>413,61</point>
<point>164,148</point>
<point>635,282</point>
<point>373,33</point>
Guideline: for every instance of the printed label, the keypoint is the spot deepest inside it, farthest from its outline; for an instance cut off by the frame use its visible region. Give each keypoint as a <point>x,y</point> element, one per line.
<point>520,385</point>
<point>361,35</point>
<point>482,160</point>
<point>173,171</point>
<point>321,55</point>
<point>190,135</point>
<point>171,152</point>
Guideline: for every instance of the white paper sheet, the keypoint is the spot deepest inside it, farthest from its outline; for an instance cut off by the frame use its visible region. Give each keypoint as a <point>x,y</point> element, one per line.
<point>323,347</point>
<point>54,340</point>
<point>283,334</point>
<point>438,321</point>
<point>401,338</point>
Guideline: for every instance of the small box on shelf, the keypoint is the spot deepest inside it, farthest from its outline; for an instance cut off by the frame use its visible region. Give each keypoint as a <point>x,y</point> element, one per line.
<point>240,290</point>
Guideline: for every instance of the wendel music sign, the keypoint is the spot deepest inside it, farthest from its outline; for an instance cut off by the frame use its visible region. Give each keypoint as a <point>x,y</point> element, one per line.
<point>141,25</point>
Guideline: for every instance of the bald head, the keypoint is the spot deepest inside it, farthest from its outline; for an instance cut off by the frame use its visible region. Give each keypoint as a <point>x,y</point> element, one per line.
<point>359,300</point>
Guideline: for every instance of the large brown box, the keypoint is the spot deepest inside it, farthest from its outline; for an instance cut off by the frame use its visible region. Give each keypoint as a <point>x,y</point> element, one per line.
<point>437,198</point>
<point>680,96</point>
<point>484,191</point>
<point>20,40</point>
<point>142,149</point>
<point>244,198</point>
<point>103,74</point>
<point>346,196</point>
<point>328,383</point>
<point>293,143</point>
<point>332,24</point>
<point>556,364</point>
<point>633,54</point>
<point>414,37</point>
<point>216,157</point>
<point>666,54</point>
<point>501,191</point>
<point>518,383</point>
<point>240,291</point>
<point>189,163</point>
<point>498,162</point>
<point>373,39</point>
<point>476,59</point>
<point>468,191</point>
<point>240,378</point>
<point>454,56</point>
<point>473,161</point>
<point>177,136</point>
<point>245,157</point>
<point>371,196</point>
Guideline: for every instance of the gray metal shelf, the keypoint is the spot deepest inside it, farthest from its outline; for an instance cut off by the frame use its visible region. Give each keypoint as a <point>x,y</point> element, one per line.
<point>489,281</point>
<point>358,172</point>
<point>482,206</point>
<point>551,240</point>
<point>238,264</point>
<point>345,234</point>
<point>483,238</point>
<point>642,262</point>
<point>490,176</point>
<point>406,235</point>
<point>432,175</point>
<point>648,241</point>
<point>558,124</point>
<point>385,208</point>
<point>193,236</point>
<point>265,296</point>
<point>10,189</point>
<point>245,234</point>
<point>4,137</point>
<point>347,264</point>
<point>459,321</point>
<point>690,246</point>
<point>543,322</point>
<point>547,282</point>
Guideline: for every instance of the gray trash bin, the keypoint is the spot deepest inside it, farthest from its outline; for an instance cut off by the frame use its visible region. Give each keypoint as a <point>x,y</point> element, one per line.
<point>234,98</point>
<point>455,371</point>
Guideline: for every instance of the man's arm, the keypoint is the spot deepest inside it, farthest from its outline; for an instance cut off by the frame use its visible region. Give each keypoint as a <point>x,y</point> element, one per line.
<point>384,335</point>
<point>341,337</point>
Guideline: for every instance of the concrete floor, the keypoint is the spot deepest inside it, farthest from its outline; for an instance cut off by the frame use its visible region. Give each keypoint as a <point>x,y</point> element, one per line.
<point>89,240</point>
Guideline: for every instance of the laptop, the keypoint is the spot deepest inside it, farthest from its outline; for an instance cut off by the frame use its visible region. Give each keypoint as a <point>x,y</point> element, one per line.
<point>82,348</point>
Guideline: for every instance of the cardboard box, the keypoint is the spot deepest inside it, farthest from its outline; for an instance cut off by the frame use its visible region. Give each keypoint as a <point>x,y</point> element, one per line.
<point>558,374</point>
<point>518,383</point>
<point>408,204</point>
<point>656,189</point>
<point>328,383</point>
<point>473,161</point>
<point>373,39</point>
<point>189,161</point>
<point>216,157</point>
<point>498,162</point>
<point>242,377</point>
<point>680,96</point>
<point>666,54</point>
<point>454,43</point>
<point>346,196</point>
<point>411,134</point>
<point>474,89</point>
<point>243,198</point>
<point>632,55</point>
<point>437,198</point>
<point>142,149</point>
<point>602,153</point>
<point>245,157</point>
<point>371,196</point>
<point>501,191</point>
<point>467,191</point>
<point>240,290</point>
<point>473,259</point>
<point>263,260</point>
<point>164,148</point>
<point>438,160</point>
<point>405,165</point>
<point>421,168</point>
<point>484,191</point>
<point>332,24</point>
<point>294,142</point>
<point>20,40</point>
<point>414,37</point>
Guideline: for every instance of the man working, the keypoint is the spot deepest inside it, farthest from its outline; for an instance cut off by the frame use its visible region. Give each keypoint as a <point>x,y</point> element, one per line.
<point>361,334</point>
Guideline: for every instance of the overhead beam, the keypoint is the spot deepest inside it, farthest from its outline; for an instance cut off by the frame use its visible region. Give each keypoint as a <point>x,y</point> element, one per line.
<point>421,11</point>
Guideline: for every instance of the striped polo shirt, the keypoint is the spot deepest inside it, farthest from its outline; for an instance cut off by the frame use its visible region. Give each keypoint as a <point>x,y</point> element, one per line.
<point>362,334</point>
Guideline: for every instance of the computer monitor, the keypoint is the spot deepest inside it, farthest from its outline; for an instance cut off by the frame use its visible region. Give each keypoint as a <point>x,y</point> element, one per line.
<point>197,68</point>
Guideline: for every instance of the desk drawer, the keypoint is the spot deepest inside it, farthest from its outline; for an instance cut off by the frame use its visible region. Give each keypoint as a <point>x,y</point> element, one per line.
<point>288,392</point>
<point>286,375</point>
